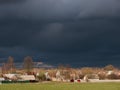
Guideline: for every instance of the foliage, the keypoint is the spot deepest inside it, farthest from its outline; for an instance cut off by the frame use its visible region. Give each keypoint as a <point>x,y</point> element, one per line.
<point>28,63</point>
<point>109,67</point>
<point>102,76</point>
<point>9,66</point>
<point>41,76</point>
<point>87,70</point>
<point>113,76</point>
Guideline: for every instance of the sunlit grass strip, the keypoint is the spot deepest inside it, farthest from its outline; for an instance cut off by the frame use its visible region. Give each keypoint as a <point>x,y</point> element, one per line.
<point>62,86</point>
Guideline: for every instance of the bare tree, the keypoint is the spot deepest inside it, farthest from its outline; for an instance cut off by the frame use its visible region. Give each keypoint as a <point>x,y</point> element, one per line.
<point>10,64</point>
<point>28,63</point>
<point>4,68</point>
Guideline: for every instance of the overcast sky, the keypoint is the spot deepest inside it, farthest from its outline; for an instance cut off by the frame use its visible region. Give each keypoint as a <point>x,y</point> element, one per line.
<point>75,32</point>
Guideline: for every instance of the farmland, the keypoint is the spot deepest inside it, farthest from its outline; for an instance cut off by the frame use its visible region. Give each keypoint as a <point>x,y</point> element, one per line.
<point>61,86</point>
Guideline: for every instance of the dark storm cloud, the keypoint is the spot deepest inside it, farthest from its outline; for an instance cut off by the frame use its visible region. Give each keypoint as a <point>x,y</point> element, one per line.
<point>63,30</point>
<point>10,1</point>
<point>62,8</point>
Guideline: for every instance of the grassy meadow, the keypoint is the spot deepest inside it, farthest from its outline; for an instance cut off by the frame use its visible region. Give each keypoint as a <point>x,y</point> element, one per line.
<point>62,86</point>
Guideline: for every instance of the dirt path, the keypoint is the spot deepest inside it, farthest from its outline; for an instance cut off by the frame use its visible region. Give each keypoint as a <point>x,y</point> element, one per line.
<point>93,80</point>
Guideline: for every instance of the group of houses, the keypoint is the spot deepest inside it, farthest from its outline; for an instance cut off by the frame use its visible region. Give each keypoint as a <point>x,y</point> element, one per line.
<point>14,78</point>
<point>58,77</point>
<point>33,72</point>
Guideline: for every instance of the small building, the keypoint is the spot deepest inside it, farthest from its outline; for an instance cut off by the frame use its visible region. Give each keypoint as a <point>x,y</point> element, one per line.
<point>27,77</point>
<point>89,77</point>
<point>10,76</point>
<point>2,79</point>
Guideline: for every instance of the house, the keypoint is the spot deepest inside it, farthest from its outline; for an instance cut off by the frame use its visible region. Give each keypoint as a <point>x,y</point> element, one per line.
<point>27,77</point>
<point>90,77</point>
<point>2,79</point>
<point>10,76</point>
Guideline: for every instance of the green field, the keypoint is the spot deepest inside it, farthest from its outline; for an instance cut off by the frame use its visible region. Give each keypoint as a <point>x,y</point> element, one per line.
<point>62,86</point>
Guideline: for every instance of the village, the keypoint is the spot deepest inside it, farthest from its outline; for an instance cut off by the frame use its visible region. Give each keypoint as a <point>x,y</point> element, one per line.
<point>31,74</point>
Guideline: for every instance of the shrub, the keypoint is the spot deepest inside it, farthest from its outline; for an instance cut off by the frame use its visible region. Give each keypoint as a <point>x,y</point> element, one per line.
<point>109,67</point>
<point>102,76</point>
<point>87,70</point>
<point>41,77</point>
<point>112,76</point>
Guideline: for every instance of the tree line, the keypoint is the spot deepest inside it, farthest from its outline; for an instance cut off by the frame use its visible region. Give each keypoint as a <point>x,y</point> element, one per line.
<point>9,66</point>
